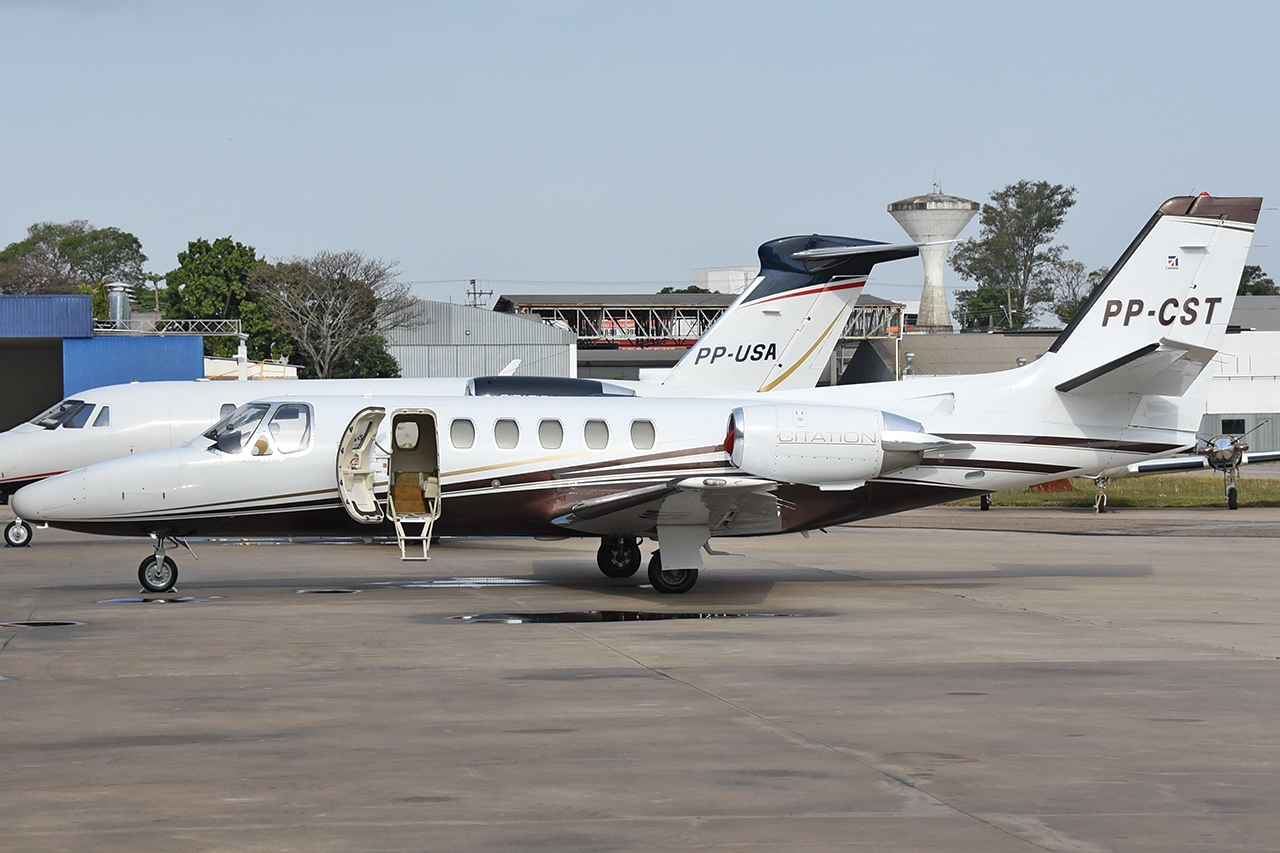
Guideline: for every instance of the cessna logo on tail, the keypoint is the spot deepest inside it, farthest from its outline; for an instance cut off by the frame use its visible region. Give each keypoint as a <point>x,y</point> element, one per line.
<point>744,352</point>
<point>1170,311</point>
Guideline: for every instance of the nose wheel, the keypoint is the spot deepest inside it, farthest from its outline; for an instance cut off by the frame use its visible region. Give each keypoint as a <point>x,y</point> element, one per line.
<point>17,534</point>
<point>158,573</point>
<point>619,556</point>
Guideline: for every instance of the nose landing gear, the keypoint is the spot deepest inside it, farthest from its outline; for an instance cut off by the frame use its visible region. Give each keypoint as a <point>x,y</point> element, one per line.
<point>159,573</point>
<point>17,534</point>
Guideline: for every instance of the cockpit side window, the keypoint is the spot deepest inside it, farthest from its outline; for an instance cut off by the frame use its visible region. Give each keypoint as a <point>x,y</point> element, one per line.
<point>53,417</point>
<point>79,417</point>
<point>104,417</point>
<point>290,428</point>
<point>232,433</point>
<point>227,408</point>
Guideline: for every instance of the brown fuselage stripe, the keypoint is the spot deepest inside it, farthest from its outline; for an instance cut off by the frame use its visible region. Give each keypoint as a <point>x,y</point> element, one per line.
<point>1063,441</point>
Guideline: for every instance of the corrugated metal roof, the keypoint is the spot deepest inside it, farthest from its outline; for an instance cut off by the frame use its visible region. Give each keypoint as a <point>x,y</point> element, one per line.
<point>116,360</point>
<point>950,355</point>
<point>64,315</point>
<point>458,340</point>
<point>446,323</point>
<point>529,301</point>
<point>1257,312</point>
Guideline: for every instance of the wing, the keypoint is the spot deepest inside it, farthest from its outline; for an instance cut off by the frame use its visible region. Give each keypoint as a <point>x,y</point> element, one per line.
<point>719,504</point>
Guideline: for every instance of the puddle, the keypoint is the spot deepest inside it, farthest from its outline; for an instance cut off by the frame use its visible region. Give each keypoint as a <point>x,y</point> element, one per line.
<point>186,599</point>
<point>41,623</point>
<point>470,583</point>
<point>336,590</point>
<point>604,616</point>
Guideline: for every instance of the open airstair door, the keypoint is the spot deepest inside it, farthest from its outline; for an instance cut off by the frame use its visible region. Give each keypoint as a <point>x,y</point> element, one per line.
<point>413,502</point>
<point>357,469</point>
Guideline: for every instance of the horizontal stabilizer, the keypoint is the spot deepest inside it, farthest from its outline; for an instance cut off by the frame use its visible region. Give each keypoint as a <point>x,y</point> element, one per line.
<point>1166,369</point>
<point>850,251</point>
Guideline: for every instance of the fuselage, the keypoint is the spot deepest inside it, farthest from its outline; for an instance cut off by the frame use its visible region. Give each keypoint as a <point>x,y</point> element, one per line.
<point>499,476</point>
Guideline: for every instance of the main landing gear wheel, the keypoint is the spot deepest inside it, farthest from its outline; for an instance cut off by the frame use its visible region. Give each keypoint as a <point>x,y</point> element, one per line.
<point>619,556</point>
<point>1233,498</point>
<point>158,575</point>
<point>984,502</point>
<point>675,581</point>
<point>17,534</point>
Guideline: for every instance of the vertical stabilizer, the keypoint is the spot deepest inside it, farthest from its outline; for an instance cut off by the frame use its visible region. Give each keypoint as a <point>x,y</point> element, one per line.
<point>1173,288</point>
<point>780,332</point>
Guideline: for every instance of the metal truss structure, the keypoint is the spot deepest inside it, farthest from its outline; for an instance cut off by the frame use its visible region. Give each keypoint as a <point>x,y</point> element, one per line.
<point>150,326</point>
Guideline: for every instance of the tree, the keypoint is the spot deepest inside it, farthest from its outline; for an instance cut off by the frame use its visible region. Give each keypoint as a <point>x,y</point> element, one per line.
<point>212,283</point>
<point>693,288</point>
<point>1013,251</point>
<point>71,257</point>
<point>1071,286</point>
<point>985,307</point>
<point>1254,282</point>
<point>333,302</point>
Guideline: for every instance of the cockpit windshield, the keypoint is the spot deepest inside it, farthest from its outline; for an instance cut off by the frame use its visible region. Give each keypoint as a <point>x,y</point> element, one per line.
<point>55,416</point>
<point>232,433</point>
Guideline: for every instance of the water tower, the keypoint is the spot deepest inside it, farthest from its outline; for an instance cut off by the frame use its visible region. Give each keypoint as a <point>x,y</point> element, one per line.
<point>928,218</point>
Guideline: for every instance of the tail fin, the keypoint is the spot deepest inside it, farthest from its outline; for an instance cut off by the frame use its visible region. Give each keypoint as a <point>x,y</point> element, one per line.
<point>1156,320</point>
<point>781,330</point>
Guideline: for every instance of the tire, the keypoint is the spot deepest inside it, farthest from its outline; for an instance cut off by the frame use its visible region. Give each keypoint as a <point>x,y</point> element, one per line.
<point>673,582</point>
<point>984,503</point>
<point>158,578</point>
<point>1233,498</point>
<point>618,557</point>
<point>17,534</point>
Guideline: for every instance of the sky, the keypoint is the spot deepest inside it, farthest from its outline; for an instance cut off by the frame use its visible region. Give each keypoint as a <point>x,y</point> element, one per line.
<point>589,146</point>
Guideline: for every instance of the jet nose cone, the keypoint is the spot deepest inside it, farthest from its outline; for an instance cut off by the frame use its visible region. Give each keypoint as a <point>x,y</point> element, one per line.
<point>41,501</point>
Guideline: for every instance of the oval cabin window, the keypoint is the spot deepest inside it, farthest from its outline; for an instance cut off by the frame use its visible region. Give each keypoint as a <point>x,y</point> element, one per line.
<point>550,434</point>
<point>642,435</point>
<point>596,434</point>
<point>462,433</point>
<point>506,434</point>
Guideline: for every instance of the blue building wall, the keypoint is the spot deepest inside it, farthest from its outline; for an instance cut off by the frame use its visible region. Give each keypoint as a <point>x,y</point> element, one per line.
<point>115,360</point>
<point>60,316</point>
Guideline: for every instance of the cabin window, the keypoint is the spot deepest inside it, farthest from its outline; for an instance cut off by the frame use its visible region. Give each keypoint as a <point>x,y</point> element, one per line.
<point>506,433</point>
<point>79,417</point>
<point>53,417</point>
<point>227,408</point>
<point>551,434</point>
<point>290,428</point>
<point>596,434</point>
<point>104,417</point>
<point>462,433</point>
<point>232,433</point>
<point>642,435</point>
<point>406,435</point>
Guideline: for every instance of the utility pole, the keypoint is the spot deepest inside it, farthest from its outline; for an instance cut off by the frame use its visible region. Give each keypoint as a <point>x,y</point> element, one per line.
<point>477,298</point>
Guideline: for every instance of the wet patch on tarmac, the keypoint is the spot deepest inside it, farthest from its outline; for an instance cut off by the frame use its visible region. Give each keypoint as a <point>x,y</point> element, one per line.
<point>41,623</point>
<point>333,590</point>
<point>186,599</point>
<point>469,583</point>
<point>427,799</point>
<point>560,618</point>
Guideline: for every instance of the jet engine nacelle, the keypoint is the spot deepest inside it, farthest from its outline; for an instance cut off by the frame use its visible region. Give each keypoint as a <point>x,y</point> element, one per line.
<point>830,446</point>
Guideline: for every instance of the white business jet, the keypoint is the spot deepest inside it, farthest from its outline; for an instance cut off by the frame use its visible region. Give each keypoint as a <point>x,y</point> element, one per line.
<point>1124,382</point>
<point>777,335</point>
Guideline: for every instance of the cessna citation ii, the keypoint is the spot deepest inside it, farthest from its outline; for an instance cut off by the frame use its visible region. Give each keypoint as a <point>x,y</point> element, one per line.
<point>777,335</point>
<point>1125,381</point>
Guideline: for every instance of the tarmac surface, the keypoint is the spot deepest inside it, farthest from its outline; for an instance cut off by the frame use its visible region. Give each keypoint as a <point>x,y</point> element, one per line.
<point>948,679</point>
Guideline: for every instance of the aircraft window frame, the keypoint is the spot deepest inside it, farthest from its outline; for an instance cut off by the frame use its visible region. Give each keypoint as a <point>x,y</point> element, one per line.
<point>103,419</point>
<point>589,440</point>
<point>303,443</point>
<point>79,419</point>
<point>653,434</point>
<point>53,417</point>
<point>226,409</point>
<point>220,433</point>
<point>406,444</point>
<point>453,434</point>
<point>547,424</point>
<point>499,440</point>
